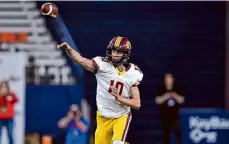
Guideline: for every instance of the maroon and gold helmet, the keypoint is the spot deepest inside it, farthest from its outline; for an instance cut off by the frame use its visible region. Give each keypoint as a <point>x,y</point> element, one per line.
<point>121,44</point>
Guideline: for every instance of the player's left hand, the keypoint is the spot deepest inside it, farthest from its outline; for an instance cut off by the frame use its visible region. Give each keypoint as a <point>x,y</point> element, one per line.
<point>117,97</point>
<point>115,93</point>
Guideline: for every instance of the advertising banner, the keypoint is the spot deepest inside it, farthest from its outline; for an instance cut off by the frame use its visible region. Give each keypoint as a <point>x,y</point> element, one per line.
<point>205,126</point>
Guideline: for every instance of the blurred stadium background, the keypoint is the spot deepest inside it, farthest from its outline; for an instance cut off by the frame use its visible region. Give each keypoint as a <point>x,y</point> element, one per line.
<point>185,38</point>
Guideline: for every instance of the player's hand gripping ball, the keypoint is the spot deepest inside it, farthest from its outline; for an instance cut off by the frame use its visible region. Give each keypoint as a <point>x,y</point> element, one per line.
<point>49,9</point>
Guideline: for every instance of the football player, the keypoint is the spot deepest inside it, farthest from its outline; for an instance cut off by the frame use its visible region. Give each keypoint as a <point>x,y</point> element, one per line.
<point>117,89</point>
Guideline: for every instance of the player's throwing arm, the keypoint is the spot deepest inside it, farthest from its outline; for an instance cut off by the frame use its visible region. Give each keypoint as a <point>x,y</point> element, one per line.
<point>76,57</point>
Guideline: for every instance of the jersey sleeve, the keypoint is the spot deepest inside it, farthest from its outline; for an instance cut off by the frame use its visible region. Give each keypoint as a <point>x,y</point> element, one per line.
<point>138,76</point>
<point>99,64</point>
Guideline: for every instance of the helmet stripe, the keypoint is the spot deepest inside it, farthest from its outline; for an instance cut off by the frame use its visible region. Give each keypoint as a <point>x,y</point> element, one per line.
<point>113,40</point>
<point>128,44</point>
<point>118,41</point>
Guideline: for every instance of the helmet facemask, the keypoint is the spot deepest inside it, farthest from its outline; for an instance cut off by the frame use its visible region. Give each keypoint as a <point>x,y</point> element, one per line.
<point>120,44</point>
<point>123,58</point>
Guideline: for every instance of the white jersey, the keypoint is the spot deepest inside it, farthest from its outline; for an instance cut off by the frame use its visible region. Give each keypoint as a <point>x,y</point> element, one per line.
<point>107,76</point>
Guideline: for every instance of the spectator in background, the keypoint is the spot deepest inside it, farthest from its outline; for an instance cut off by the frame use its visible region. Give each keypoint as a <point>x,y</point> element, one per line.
<point>7,102</point>
<point>76,126</point>
<point>170,97</point>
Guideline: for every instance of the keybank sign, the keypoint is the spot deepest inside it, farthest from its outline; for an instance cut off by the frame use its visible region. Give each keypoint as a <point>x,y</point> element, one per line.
<point>206,129</point>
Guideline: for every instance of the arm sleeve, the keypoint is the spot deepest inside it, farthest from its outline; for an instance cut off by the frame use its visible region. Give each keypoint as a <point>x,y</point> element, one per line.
<point>139,79</point>
<point>99,64</point>
<point>138,74</point>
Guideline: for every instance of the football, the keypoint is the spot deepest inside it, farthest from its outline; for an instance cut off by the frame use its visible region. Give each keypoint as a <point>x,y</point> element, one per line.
<point>49,9</point>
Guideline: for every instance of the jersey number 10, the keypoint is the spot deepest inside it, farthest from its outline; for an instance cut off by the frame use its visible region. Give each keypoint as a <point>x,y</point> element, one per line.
<point>118,85</point>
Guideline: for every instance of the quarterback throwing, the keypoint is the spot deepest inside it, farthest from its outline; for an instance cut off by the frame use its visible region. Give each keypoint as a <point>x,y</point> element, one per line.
<point>117,89</point>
